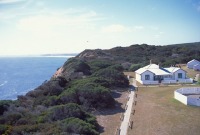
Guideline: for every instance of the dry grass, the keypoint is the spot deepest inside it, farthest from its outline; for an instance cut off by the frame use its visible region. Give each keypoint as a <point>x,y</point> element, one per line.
<point>158,113</point>
<point>131,74</point>
<point>109,119</point>
<point>190,72</point>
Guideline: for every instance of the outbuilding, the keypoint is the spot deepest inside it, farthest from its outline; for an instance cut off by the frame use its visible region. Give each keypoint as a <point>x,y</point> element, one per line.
<point>192,63</point>
<point>196,67</point>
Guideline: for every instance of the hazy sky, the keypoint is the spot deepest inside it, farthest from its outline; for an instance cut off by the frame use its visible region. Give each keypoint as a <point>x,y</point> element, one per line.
<point>70,26</point>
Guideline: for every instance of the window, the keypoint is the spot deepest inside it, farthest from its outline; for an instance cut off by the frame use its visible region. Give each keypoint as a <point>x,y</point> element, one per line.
<point>179,75</point>
<point>147,77</point>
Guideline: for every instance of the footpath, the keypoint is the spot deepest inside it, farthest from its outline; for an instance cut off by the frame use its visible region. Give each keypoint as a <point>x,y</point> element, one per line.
<point>127,114</point>
<point>128,110</point>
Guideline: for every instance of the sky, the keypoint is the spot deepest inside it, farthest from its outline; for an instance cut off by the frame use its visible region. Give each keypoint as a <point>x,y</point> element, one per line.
<point>29,27</point>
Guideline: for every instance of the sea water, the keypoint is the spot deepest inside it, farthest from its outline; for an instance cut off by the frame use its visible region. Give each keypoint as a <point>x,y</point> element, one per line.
<point>18,75</point>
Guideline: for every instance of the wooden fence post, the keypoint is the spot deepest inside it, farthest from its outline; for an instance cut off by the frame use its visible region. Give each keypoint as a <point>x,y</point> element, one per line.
<point>126,107</point>
<point>131,124</point>
<point>135,102</point>
<point>122,117</point>
<point>133,112</point>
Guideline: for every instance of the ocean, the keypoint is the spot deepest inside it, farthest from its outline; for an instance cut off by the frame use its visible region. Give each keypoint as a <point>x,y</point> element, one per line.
<point>18,75</point>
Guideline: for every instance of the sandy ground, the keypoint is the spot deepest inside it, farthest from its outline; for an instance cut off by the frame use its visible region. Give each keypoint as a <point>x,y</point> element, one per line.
<point>109,119</point>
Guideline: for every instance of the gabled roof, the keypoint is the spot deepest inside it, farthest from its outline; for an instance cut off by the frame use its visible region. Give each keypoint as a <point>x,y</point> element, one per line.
<point>194,61</point>
<point>154,69</point>
<point>172,69</point>
<point>157,70</point>
<point>151,66</point>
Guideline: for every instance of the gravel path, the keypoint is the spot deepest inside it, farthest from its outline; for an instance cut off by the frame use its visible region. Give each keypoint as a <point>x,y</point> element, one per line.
<point>127,114</point>
<point>129,107</point>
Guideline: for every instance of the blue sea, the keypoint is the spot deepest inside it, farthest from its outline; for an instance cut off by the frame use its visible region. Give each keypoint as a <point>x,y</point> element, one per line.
<point>18,75</point>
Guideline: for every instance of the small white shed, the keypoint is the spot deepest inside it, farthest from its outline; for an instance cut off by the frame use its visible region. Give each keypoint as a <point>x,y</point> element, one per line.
<point>191,63</point>
<point>196,67</point>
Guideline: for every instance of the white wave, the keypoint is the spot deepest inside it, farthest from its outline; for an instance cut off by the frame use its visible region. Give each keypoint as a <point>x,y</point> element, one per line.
<point>3,83</point>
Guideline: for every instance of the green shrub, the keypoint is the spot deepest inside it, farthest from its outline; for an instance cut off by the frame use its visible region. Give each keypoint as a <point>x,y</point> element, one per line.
<point>135,67</point>
<point>78,126</point>
<point>4,104</point>
<point>3,129</point>
<point>61,112</point>
<point>114,77</point>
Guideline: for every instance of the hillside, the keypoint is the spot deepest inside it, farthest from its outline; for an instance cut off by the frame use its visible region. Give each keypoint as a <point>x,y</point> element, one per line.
<point>65,103</point>
<point>140,55</point>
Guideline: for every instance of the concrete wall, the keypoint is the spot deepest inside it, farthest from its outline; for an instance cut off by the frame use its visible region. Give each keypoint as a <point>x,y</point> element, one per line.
<point>189,90</point>
<point>137,76</point>
<point>150,82</point>
<point>185,80</point>
<point>193,101</point>
<point>178,94</point>
<point>169,81</point>
<point>180,97</point>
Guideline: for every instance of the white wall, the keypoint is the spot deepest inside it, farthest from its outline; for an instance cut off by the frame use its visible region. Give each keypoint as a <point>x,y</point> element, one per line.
<point>185,80</point>
<point>168,81</point>
<point>137,76</point>
<point>193,101</point>
<point>196,67</point>
<point>178,94</point>
<point>147,73</point>
<point>150,82</point>
<point>179,71</point>
<point>190,64</point>
<point>189,90</point>
<point>180,97</point>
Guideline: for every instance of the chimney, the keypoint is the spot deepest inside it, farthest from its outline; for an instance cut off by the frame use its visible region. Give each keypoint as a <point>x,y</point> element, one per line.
<point>150,62</point>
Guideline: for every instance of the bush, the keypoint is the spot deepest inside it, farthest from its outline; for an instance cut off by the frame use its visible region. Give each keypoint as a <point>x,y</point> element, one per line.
<point>3,129</point>
<point>99,64</point>
<point>61,112</point>
<point>4,104</point>
<point>78,126</point>
<point>113,76</point>
<point>94,96</point>
<point>12,117</point>
<point>135,67</point>
<point>97,80</point>
<point>25,129</point>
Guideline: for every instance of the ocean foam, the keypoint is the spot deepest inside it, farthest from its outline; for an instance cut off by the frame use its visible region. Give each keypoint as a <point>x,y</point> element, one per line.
<point>3,83</point>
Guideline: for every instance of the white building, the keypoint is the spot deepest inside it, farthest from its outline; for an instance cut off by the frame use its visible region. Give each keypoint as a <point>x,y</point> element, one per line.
<point>154,74</point>
<point>196,67</point>
<point>192,63</point>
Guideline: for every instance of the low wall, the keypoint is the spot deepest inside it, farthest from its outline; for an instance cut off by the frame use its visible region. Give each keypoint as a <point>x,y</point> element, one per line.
<point>169,81</point>
<point>150,82</point>
<point>147,82</point>
<point>185,80</point>
<point>193,101</point>
<point>189,90</point>
<point>181,95</point>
